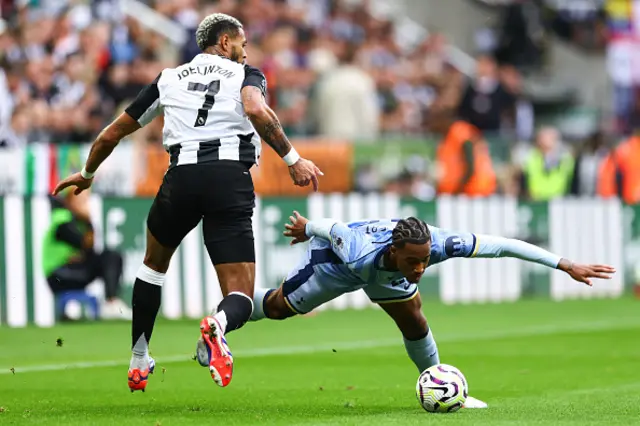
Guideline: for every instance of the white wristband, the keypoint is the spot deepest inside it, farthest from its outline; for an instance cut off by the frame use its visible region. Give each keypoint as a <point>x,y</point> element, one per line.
<point>85,174</point>
<point>292,157</point>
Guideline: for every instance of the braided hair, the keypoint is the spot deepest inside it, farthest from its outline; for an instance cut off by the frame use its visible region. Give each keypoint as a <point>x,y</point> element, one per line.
<point>410,230</point>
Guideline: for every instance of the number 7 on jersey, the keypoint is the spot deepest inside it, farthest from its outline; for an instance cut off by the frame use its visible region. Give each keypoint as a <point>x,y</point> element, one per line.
<point>211,90</point>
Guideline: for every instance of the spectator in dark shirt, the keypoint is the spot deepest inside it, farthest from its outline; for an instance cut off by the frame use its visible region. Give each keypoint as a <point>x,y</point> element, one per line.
<point>522,35</point>
<point>485,101</point>
<point>589,160</point>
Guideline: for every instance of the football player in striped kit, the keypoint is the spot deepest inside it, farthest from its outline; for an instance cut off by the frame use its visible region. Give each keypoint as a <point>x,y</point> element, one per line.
<point>215,115</point>
<point>387,258</point>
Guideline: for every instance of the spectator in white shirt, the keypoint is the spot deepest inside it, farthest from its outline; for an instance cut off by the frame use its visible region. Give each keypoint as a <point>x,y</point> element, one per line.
<point>347,104</point>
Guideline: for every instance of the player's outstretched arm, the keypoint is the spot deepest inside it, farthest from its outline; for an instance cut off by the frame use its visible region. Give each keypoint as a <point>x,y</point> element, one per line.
<point>103,146</point>
<point>268,126</point>
<point>493,246</point>
<point>343,240</point>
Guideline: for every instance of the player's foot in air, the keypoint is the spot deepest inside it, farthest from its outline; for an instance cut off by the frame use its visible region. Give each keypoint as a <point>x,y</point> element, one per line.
<point>139,370</point>
<point>472,402</point>
<point>213,351</point>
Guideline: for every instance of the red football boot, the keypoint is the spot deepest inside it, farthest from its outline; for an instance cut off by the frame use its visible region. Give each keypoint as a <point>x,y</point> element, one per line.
<point>220,358</point>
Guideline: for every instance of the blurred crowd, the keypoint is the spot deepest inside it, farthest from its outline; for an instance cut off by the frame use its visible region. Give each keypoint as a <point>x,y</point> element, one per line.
<point>337,70</point>
<point>66,68</point>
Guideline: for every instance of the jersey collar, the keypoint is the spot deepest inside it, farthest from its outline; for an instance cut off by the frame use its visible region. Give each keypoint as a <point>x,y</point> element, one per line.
<point>378,261</point>
<point>205,55</point>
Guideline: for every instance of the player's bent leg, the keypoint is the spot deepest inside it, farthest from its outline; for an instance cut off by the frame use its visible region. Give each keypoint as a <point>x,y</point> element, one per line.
<point>233,258</point>
<point>271,304</point>
<point>418,339</point>
<point>303,290</point>
<point>236,282</point>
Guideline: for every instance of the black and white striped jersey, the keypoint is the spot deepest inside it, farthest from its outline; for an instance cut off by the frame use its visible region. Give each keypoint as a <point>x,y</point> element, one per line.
<point>204,119</point>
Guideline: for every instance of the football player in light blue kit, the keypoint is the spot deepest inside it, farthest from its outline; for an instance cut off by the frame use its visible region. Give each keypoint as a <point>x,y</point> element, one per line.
<point>386,258</point>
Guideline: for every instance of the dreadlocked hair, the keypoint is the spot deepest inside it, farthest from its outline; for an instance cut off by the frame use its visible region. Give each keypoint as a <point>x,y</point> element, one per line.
<point>410,230</point>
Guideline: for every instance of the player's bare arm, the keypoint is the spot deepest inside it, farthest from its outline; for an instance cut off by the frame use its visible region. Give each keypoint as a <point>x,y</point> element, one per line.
<point>103,146</point>
<point>108,139</point>
<point>265,120</point>
<point>268,126</point>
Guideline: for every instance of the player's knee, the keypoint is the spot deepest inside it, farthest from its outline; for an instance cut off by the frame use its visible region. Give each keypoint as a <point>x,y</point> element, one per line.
<point>156,263</point>
<point>157,257</point>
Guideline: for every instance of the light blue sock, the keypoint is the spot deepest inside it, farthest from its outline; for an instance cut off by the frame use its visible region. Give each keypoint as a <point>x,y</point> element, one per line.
<point>423,352</point>
<point>259,296</point>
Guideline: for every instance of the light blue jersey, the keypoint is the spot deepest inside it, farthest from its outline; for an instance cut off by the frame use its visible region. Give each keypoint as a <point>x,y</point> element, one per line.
<point>342,258</point>
<point>352,259</point>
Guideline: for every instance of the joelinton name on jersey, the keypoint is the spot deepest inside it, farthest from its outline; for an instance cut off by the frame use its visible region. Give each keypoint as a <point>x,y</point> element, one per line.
<point>203,112</point>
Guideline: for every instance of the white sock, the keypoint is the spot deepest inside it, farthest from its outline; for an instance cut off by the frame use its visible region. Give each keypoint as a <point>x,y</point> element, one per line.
<point>222,319</point>
<point>259,296</point>
<point>423,352</point>
<point>140,351</point>
<point>141,348</point>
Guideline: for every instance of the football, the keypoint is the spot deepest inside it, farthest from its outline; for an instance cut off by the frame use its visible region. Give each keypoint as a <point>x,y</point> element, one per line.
<point>442,388</point>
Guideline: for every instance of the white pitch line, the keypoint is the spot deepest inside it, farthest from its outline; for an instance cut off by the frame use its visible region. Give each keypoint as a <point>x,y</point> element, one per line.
<point>565,393</point>
<point>583,327</point>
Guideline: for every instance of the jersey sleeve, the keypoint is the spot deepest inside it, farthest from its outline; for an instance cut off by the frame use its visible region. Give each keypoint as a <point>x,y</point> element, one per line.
<point>448,244</point>
<point>347,243</point>
<point>461,244</point>
<point>254,77</point>
<point>495,246</point>
<point>147,105</point>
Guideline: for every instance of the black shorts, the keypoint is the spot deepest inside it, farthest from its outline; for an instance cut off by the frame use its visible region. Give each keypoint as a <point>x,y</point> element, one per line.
<point>221,194</point>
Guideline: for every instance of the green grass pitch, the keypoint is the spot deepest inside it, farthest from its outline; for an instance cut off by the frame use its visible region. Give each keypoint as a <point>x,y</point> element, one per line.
<point>534,362</point>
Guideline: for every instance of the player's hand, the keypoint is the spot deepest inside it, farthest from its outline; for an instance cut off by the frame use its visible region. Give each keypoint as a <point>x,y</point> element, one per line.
<point>76,180</point>
<point>304,172</point>
<point>296,229</point>
<point>583,273</point>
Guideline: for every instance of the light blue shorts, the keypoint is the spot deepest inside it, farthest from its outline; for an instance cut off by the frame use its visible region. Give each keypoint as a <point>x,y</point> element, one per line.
<point>318,279</point>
